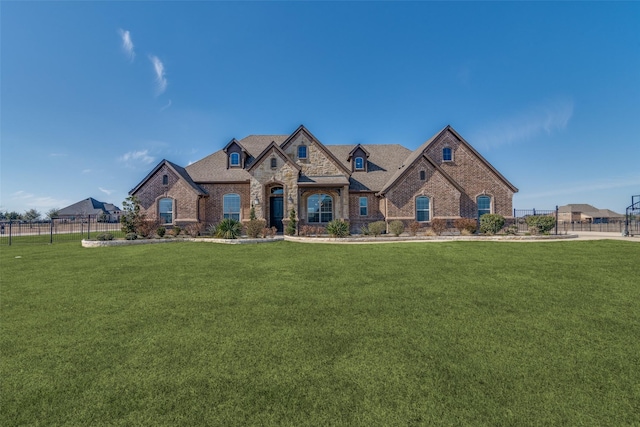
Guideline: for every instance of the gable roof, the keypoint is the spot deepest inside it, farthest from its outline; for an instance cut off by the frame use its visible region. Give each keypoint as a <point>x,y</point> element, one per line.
<point>404,170</point>
<point>419,152</point>
<point>277,149</point>
<point>322,147</point>
<point>89,206</point>
<point>352,152</point>
<point>179,170</point>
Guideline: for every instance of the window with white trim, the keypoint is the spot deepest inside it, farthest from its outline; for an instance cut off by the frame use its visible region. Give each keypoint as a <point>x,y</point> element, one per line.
<point>484,205</point>
<point>319,208</point>
<point>234,159</point>
<point>422,208</point>
<point>364,206</point>
<point>231,206</point>
<point>302,151</point>
<point>358,163</point>
<point>165,210</point>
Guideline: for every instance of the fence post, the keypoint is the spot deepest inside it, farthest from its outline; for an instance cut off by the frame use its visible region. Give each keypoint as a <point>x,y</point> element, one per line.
<point>51,231</point>
<point>88,227</point>
<point>10,233</point>
<point>556,220</point>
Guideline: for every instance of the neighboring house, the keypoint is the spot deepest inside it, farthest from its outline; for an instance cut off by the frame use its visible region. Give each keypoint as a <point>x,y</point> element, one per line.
<point>443,178</point>
<point>587,213</point>
<point>101,211</point>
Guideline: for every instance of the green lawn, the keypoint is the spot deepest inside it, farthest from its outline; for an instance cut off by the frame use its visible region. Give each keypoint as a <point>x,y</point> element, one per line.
<point>456,333</point>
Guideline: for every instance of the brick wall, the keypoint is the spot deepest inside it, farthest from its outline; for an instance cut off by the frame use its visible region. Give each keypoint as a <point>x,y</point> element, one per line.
<point>356,221</point>
<point>473,175</point>
<point>185,207</point>
<point>214,206</point>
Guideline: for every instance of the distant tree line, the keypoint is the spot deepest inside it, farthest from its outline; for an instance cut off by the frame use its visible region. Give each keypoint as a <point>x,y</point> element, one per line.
<point>29,215</point>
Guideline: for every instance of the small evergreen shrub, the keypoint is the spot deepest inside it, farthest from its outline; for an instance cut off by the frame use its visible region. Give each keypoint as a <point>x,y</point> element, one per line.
<point>104,237</point>
<point>438,225</point>
<point>338,228</point>
<point>228,229</point>
<point>542,224</point>
<point>377,228</point>
<point>511,230</point>
<point>468,225</point>
<point>131,236</point>
<point>396,227</point>
<point>291,226</point>
<point>414,227</point>
<point>161,231</point>
<point>254,227</point>
<point>491,223</point>
<point>176,231</point>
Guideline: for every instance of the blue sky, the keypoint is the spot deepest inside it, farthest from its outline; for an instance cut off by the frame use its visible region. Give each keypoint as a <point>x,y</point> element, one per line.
<point>95,94</point>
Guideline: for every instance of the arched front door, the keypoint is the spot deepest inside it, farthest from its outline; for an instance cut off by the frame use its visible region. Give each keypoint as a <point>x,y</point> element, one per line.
<point>276,208</point>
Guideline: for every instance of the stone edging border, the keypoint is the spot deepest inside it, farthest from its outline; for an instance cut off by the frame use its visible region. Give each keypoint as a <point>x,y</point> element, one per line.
<point>105,243</point>
<point>343,240</point>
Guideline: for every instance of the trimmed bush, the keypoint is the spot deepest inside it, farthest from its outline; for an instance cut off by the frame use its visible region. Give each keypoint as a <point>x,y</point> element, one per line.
<point>438,225</point>
<point>194,229</point>
<point>396,227</point>
<point>541,224</point>
<point>291,226</point>
<point>104,236</point>
<point>466,225</point>
<point>176,231</point>
<point>338,228</point>
<point>254,227</point>
<point>131,236</point>
<point>228,229</point>
<point>161,231</point>
<point>377,228</point>
<point>491,223</point>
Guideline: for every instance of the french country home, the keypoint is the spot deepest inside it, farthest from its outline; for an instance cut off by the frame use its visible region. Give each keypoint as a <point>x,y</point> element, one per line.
<point>445,177</point>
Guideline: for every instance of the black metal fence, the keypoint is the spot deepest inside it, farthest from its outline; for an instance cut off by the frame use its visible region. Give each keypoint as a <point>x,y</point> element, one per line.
<point>56,230</point>
<point>520,217</point>
<point>609,225</point>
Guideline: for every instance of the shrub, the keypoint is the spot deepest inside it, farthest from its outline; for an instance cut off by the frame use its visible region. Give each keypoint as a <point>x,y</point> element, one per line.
<point>254,227</point>
<point>377,228</point>
<point>176,231</point>
<point>228,229</point>
<point>511,230</point>
<point>364,230</point>
<point>491,223</point>
<point>194,229</point>
<point>131,218</point>
<point>542,224</point>
<point>131,236</point>
<point>161,231</point>
<point>468,225</point>
<point>414,227</point>
<point>291,226</point>
<point>396,227</point>
<point>438,225</point>
<point>148,227</point>
<point>269,232</point>
<point>338,228</point>
<point>104,236</point>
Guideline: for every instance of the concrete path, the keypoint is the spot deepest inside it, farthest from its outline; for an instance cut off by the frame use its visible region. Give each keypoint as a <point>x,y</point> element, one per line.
<point>600,235</point>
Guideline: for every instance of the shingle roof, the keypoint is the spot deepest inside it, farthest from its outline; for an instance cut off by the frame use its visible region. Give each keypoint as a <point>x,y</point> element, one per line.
<point>177,169</point>
<point>382,164</point>
<point>89,206</point>
<point>589,210</point>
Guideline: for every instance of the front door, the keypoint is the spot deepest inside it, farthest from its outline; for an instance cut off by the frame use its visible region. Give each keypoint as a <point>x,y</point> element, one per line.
<point>277,212</point>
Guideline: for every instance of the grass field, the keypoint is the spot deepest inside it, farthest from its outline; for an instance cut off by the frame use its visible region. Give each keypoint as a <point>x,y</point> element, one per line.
<point>456,333</point>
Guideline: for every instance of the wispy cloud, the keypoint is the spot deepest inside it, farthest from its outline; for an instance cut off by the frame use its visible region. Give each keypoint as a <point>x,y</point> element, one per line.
<point>105,191</point>
<point>548,117</point>
<point>137,157</point>
<point>166,106</point>
<point>127,44</point>
<point>161,79</point>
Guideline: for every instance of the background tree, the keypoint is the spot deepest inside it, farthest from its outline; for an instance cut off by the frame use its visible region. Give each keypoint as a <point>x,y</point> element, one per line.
<point>53,213</point>
<point>31,215</point>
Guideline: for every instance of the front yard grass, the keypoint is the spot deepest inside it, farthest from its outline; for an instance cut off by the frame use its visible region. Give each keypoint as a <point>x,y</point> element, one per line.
<point>454,333</point>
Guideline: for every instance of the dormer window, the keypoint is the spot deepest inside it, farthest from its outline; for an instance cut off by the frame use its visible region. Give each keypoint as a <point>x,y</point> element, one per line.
<point>234,159</point>
<point>358,163</point>
<point>302,151</point>
<point>447,154</point>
